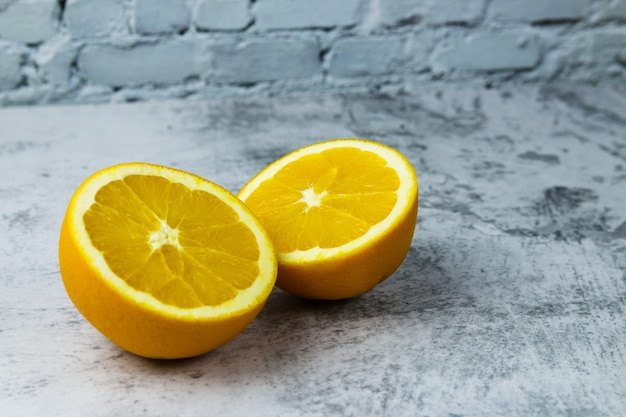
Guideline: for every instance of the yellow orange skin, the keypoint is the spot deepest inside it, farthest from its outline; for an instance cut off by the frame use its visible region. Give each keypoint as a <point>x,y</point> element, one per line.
<point>141,331</point>
<point>138,328</point>
<point>354,273</point>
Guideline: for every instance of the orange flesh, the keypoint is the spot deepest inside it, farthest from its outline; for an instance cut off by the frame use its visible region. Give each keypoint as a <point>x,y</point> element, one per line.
<point>325,198</point>
<point>156,236</point>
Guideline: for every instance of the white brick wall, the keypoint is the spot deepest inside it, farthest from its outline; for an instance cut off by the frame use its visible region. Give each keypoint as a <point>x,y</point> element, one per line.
<point>98,50</point>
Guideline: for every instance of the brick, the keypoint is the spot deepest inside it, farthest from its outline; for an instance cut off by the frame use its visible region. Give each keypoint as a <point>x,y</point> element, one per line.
<point>537,10</point>
<point>290,14</point>
<point>166,62</point>
<point>29,21</point>
<point>223,15</point>
<point>607,47</point>
<point>10,68</point>
<point>615,10</point>
<point>265,60</point>
<point>88,18</point>
<point>360,57</point>
<point>54,59</point>
<point>419,47</point>
<point>490,52</point>
<point>161,16</point>
<point>398,12</point>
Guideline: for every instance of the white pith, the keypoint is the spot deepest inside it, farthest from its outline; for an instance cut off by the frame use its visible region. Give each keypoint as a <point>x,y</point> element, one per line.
<point>164,236</point>
<point>311,198</point>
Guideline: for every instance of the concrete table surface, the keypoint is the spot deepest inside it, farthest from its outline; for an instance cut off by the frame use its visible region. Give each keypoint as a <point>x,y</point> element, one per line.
<point>511,302</point>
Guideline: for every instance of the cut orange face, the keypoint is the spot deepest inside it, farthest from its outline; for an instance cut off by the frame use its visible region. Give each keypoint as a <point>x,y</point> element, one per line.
<point>164,263</point>
<point>341,215</point>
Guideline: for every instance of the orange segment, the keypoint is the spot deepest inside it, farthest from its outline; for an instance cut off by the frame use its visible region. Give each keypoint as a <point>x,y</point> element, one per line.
<point>345,187</point>
<point>341,215</point>
<point>162,262</point>
<point>144,241</point>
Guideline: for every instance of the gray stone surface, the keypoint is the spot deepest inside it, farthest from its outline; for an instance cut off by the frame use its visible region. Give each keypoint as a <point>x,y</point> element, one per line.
<point>511,302</point>
<point>161,16</point>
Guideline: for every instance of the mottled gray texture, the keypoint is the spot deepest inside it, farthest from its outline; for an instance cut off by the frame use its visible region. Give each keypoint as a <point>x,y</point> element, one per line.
<point>511,302</point>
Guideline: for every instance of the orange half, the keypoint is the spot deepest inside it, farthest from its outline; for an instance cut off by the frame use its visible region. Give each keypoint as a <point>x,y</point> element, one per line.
<point>341,215</point>
<point>164,263</point>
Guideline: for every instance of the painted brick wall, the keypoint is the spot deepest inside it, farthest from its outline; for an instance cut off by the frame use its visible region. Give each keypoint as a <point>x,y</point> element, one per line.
<point>126,50</point>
